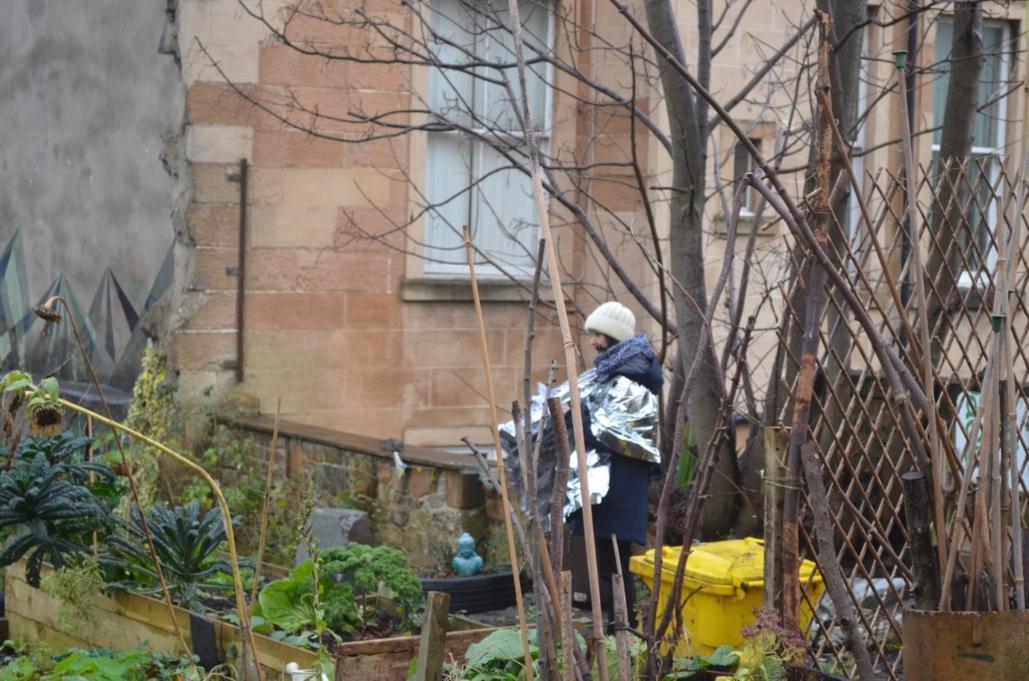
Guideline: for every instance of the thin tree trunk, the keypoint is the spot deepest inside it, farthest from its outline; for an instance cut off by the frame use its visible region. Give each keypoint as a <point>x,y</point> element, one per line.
<point>686,249</point>
<point>947,222</point>
<point>846,17</point>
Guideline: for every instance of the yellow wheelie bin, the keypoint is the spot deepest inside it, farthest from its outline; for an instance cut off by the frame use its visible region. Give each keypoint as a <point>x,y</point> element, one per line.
<point>722,587</point>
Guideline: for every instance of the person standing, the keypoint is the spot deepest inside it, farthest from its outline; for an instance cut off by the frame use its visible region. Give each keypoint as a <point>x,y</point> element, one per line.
<point>621,353</point>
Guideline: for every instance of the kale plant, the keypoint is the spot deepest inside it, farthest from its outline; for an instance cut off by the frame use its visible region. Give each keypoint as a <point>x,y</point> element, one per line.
<point>189,547</point>
<point>49,512</point>
<point>366,584</point>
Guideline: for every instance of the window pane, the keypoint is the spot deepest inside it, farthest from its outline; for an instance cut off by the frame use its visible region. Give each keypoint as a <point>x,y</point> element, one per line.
<point>447,190</point>
<point>991,83</point>
<point>976,208</point>
<point>743,163</point>
<point>451,91</point>
<point>466,177</point>
<point>991,86</point>
<point>498,109</point>
<point>506,224</point>
<point>967,405</point>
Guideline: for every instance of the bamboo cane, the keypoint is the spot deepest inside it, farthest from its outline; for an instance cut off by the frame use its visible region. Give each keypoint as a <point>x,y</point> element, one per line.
<point>264,502</point>
<point>966,478</point>
<point>1016,238</point>
<point>494,423</point>
<point>48,311</point>
<point>241,601</point>
<point>928,375</point>
<point>571,359</point>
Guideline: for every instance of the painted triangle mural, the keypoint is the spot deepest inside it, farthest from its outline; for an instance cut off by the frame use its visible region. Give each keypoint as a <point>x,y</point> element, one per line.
<point>110,327</point>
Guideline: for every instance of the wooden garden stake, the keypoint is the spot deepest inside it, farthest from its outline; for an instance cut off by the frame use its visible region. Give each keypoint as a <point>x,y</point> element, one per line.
<point>434,637</point>
<point>928,374</point>
<point>50,308</point>
<point>1015,475</point>
<point>264,502</point>
<point>567,630</point>
<point>775,448</point>
<point>966,480</point>
<point>621,617</point>
<point>501,467</point>
<point>571,359</point>
<point>557,501</point>
<point>92,476</point>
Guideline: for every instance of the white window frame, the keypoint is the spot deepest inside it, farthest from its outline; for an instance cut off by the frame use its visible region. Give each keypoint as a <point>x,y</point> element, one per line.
<point>966,406</point>
<point>750,194</point>
<point>440,270</point>
<point>967,280</point>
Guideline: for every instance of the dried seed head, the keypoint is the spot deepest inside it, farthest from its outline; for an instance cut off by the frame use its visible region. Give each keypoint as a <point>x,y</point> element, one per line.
<point>45,418</point>
<point>47,312</point>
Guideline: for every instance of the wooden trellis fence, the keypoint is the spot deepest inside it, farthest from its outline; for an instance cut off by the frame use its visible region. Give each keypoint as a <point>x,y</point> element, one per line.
<point>855,420</point>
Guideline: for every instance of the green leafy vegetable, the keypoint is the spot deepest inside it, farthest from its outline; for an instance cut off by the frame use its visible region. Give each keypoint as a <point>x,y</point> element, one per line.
<point>52,516</point>
<point>188,546</point>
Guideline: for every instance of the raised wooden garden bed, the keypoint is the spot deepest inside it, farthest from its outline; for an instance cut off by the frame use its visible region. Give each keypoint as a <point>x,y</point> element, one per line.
<point>126,620</point>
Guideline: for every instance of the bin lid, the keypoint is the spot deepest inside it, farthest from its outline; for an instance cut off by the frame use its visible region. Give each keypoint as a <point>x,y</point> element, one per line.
<point>719,567</point>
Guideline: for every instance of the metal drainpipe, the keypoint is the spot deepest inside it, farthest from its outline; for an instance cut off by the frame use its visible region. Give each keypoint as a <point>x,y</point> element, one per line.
<point>241,269</point>
<point>905,252</point>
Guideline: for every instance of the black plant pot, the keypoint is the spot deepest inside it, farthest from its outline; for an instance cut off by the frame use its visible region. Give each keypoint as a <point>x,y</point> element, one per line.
<point>205,644</point>
<point>478,593</point>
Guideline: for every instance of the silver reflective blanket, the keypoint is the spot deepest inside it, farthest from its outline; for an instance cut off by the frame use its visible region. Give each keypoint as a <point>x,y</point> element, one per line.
<point>624,419</point>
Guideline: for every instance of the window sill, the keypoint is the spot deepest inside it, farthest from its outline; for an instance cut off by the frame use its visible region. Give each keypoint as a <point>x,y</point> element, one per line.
<point>767,228</point>
<point>459,290</point>
<point>975,289</point>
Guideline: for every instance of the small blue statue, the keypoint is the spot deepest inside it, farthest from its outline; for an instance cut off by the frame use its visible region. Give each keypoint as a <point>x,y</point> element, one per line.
<point>467,562</point>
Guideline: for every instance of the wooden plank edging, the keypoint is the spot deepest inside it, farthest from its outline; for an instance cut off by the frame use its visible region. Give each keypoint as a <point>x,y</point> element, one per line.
<point>125,620</point>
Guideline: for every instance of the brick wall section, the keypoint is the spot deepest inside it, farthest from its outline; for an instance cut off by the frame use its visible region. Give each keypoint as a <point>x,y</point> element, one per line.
<point>422,510</point>
<point>327,328</point>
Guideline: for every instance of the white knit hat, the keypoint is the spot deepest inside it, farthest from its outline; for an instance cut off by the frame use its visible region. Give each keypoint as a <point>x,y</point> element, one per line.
<point>612,319</point>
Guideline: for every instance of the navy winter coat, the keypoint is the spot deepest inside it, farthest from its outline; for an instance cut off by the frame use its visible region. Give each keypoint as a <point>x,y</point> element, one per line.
<point>623,511</point>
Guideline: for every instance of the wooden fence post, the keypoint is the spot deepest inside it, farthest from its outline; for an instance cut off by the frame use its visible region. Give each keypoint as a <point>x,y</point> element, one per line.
<point>621,626</point>
<point>775,473</point>
<point>434,637</point>
<point>567,629</point>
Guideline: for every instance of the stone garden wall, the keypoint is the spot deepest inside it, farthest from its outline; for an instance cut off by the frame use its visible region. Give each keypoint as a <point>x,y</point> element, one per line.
<point>421,508</point>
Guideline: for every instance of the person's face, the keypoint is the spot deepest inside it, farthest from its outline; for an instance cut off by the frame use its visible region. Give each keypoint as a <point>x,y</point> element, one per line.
<point>598,341</point>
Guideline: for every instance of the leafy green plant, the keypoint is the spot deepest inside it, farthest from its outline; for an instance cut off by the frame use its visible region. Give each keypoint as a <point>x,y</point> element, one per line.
<point>188,545</point>
<point>288,604</point>
<point>500,657</point>
<point>153,412</point>
<point>761,657</point>
<point>366,584</point>
<point>724,658</point>
<point>239,466</point>
<point>101,664</point>
<point>51,517</point>
<point>79,588</point>
<point>339,592</point>
<point>69,451</point>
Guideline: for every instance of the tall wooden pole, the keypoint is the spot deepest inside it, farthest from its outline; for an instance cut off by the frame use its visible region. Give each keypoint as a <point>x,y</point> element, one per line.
<point>501,466</point>
<point>571,356</point>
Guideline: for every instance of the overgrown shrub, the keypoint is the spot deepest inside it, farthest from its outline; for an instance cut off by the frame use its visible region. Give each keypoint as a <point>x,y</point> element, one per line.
<point>240,468</point>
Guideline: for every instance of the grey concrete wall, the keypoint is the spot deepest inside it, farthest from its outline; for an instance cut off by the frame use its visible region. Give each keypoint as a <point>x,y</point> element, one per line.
<point>86,99</point>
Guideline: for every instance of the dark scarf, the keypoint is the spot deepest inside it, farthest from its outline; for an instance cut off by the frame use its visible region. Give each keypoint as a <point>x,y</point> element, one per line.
<point>609,361</point>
